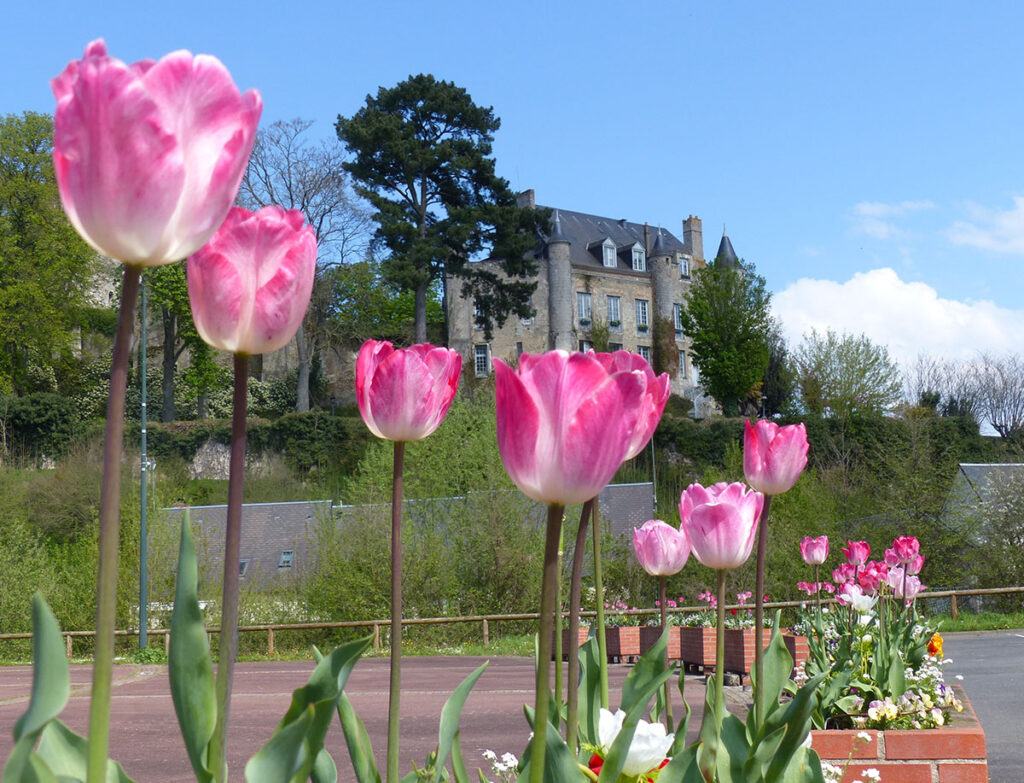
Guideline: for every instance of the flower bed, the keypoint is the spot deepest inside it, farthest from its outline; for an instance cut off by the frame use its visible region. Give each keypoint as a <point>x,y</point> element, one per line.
<point>739,649</point>
<point>623,643</point>
<point>951,754</point>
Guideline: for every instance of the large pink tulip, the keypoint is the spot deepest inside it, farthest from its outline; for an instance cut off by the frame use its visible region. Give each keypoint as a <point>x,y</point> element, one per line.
<point>149,156</point>
<point>565,424</point>
<point>661,549</point>
<point>655,395</point>
<point>814,551</point>
<point>906,548</point>
<point>250,284</point>
<point>773,456</point>
<point>404,394</point>
<point>857,552</point>
<point>721,522</point>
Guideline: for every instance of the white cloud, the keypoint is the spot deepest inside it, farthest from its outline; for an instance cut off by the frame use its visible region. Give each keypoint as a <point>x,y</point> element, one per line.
<point>909,318</point>
<point>1001,231</point>
<point>876,218</point>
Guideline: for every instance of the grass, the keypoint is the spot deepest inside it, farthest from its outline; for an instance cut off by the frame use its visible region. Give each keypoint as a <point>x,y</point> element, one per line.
<point>983,621</point>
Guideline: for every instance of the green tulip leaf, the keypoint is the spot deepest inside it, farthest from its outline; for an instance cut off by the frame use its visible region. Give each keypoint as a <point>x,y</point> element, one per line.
<point>190,668</point>
<point>51,681</point>
<point>796,719</point>
<point>683,767</point>
<point>733,751</point>
<point>324,769</point>
<point>286,753</point>
<point>589,695</point>
<point>360,750</point>
<point>66,754</point>
<point>559,763</point>
<point>616,758</point>
<point>762,754</point>
<point>679,744</point>
<point>650,666</point>
<point>450,714</point>
<point>459,771</point>
<point>21,766</point>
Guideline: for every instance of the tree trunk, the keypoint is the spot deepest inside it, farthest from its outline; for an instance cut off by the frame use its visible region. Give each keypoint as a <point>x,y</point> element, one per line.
<point>420,332</point>
<point>303,349</point>
<point>167,411</point>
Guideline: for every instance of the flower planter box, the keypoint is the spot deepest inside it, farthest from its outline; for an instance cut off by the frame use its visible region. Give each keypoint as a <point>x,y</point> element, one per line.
<point>951,754</point>
<point>581,639</point>
<point>797,646</point>
<point>740,650</point>
<point>623,643</point>
<point>649,636</point>
<point>697,646</point>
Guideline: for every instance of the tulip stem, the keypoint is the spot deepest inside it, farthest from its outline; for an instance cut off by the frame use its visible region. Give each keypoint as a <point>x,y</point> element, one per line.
<point>602,642</point>
<point>110,500</point>
<point>575,592</point>
<point>395,685</point>
<point>663,585</point>
<point>542,697</point>
<point>229,596</point>
<point>762,551</point>
<point>720,659</point>
<point>556,639</point>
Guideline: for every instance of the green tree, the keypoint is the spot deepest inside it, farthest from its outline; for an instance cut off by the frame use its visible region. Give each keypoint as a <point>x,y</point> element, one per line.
<point>845,375</point>
<point>289,169</point>
<point>422,158</point>
<point>779,385</point>
<point>726,316</point>
<point>46,270</point>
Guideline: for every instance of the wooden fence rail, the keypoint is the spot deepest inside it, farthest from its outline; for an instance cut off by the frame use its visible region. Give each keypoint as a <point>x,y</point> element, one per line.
<point>485,620</point>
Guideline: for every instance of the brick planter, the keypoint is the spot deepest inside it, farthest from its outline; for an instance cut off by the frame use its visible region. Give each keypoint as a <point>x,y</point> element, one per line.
<point>649,636</point>
<point>739,648</point>
<point>797,646</point>
<point>584,634</point>
<point>623,643</point>
<point>950,754</point>
<point>697,646</point>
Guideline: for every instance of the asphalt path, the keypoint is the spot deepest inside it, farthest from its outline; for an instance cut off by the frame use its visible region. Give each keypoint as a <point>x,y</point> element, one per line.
<point>145,738</point>
<point>992,666</point>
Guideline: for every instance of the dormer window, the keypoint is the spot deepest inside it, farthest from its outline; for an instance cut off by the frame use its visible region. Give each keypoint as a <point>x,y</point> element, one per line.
<point>639,258</point>
<point>608,255</point>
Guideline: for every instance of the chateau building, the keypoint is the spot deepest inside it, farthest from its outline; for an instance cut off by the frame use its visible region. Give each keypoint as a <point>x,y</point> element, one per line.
<point>595,273</point>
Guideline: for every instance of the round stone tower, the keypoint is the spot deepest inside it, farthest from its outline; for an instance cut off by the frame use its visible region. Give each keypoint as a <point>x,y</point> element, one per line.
<point>663,278</point>
<point>560,305</point>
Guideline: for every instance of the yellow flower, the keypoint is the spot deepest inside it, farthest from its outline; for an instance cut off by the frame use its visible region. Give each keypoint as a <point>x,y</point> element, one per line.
<point>935,645</point>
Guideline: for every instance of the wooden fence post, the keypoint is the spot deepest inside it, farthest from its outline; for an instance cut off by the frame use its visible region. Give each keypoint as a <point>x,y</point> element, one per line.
<point>376,636</point>
<point>486,634</point>
<point>67,644</point>
<point>952,603</point>
<point>270,641</point>
<point>167,643</point>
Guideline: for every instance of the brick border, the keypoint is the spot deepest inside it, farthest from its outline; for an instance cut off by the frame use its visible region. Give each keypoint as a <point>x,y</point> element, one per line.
<point>951,754</point>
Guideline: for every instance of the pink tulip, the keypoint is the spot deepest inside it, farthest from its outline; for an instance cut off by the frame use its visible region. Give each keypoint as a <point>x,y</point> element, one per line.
<point>904,587</point>
<point>915,565</point>
<point>721,522</point>
<point>661,549</point>
<point>872,575</point>
<point>857,552</point>
<point>844,573</point>
<point>891,558</point>
<point>404,394</point>
<point>565,424</point>
<point>906,548</point>
<point>149,156</point>
<point>655,395</point>
<point>814,551</point>
<point>773,456</point>
<point>249,286</point>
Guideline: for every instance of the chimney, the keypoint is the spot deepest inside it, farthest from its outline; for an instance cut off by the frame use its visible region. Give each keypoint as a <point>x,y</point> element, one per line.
<point>693,238</point>
<point>526,200</point>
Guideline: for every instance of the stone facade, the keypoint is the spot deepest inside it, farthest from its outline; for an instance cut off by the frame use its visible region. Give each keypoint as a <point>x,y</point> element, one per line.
<point>593,272</point>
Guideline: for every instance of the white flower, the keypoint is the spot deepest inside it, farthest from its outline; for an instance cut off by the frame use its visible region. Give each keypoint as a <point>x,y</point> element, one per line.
<point>873,774</point>
<point>649,746</point>
<point>863,735</point>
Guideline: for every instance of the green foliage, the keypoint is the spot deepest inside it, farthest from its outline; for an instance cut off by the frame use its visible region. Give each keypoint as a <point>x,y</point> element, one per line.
<point>726,316</point>
<point>778,388</point>
<point>422,157</point>
<point>38,425</point>
<point>846,375</point>
<point>600,335</point>
<point>45,268</point>
<point>665,353</point>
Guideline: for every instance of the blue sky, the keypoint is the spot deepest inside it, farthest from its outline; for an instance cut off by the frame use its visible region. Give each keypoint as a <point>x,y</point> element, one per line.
<point>867,159</point>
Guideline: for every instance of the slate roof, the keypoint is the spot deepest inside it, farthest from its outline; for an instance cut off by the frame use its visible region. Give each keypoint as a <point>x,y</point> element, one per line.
<point>587,232</point>
<point>725,252</point>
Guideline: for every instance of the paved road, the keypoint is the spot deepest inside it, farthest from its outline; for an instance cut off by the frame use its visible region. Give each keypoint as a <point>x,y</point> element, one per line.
<point>144,736</point>
<point>992,667</point>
